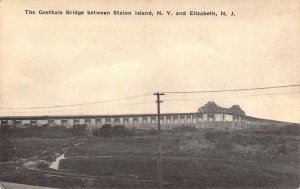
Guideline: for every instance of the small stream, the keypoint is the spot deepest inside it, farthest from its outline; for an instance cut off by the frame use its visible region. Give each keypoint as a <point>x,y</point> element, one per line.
<point>55,164</point>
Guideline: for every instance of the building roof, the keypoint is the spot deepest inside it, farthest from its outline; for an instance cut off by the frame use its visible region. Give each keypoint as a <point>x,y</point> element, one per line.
<point>212,108</point>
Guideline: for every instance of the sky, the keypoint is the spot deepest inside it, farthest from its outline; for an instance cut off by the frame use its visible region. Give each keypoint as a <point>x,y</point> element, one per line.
<point>52,60</point>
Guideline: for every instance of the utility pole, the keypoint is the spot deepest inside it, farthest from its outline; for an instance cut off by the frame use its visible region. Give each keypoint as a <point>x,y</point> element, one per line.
<point>15,154</point>
<point>159,164</point>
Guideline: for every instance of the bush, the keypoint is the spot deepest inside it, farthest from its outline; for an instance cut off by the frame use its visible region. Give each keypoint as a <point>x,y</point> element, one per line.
<point>4,128</point>
<point>118,130</point>
<point>153,131</point>
<point>214,136</point>
<point>45,126</point>
<point>222,139</point>
<point>107,131</point>
<point>292,129</point>
<point>184,128</point>
<point>79,129</point>
<point>104,131</point>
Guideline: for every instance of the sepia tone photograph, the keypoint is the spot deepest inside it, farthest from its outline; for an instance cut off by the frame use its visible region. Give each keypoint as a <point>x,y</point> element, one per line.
<point>149,94</point>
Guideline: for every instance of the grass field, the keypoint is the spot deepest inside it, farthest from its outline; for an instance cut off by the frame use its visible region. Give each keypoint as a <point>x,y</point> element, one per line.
<point>192,158</point>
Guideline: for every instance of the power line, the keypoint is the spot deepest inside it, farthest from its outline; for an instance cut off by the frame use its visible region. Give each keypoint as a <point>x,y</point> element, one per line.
<point>75,110</point>
<point>72,105</point>
<point>131,97</point>
<point>233,90</point>
<point>265,94</point>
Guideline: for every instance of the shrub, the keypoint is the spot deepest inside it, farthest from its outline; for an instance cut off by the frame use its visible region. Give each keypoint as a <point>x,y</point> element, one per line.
<point>153,131</point>
<point>79,129</point>
<point>4,128</point>
<point>118,130</point>
<point>45,126</point>
<point>105,131</point>
<point>292,129</point>
<point>184,128</point>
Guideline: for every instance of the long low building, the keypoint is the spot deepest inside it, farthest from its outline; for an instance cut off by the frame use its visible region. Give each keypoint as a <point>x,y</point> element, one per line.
<point>209,115</point>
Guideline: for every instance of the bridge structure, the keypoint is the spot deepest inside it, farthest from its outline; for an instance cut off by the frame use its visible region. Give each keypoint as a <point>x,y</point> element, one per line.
<point>208,116</point>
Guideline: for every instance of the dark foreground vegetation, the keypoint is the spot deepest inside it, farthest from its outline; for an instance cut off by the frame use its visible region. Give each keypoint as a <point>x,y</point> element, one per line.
<point>115,157</point>
<point>27,142</point>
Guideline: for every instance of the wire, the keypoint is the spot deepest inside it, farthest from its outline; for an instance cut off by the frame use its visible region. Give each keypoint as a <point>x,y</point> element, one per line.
<point>266,94</point>
<point>232,90</point>
<point>131,97</point>
<point>72,105</point>
<point>77,110</point>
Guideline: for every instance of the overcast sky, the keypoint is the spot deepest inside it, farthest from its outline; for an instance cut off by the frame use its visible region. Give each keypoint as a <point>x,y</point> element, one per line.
<point>48,60</point>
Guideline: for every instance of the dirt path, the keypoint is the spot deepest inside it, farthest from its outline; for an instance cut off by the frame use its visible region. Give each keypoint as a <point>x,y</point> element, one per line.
<point>34,162</point>
<point>9,185</point>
